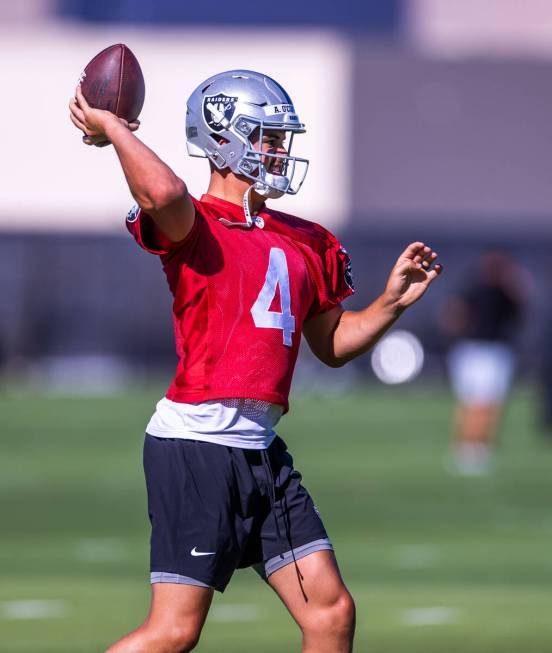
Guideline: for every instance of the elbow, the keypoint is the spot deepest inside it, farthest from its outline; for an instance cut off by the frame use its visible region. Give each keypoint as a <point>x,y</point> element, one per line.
<point>337,355</point>
<point>335,362</point>
<point>162,196</point>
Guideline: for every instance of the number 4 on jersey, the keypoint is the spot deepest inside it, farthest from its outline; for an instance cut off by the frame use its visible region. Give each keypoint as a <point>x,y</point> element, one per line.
<point>277,276</point>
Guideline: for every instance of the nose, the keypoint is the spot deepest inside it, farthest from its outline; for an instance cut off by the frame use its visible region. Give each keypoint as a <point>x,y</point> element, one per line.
<point>277,149</point>
<point>276,164</point>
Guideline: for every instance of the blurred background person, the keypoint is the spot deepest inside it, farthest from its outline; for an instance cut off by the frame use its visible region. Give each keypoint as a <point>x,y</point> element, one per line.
<point>545,375</point>
<point>483,320</point>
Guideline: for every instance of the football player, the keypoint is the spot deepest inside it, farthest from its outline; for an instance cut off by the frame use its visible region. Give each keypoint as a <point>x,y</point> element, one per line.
<point>247,282</point>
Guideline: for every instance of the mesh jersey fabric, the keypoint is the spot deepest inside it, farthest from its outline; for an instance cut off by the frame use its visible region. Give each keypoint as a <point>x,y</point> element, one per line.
<point>241,423</point>
<point>219,276</point>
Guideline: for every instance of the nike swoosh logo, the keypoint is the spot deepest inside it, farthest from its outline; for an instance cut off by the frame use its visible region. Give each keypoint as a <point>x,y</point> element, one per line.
<point>196,553</point>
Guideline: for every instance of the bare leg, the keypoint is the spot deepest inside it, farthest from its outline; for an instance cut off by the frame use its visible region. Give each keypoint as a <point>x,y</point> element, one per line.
<point>477,423</point>
<point>174,623</point>
<point>320,604</point>
<point>475,430</point>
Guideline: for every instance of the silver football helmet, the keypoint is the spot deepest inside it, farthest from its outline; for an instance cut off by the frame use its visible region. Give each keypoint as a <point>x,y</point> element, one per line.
<point>223,113</point>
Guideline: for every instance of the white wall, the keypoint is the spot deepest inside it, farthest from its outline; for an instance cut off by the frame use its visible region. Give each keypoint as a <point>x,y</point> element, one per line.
<point>50,180</point>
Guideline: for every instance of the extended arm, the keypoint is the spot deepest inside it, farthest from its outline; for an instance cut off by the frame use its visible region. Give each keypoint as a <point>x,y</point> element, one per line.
<point>154,186</point>
<point>338,336</point>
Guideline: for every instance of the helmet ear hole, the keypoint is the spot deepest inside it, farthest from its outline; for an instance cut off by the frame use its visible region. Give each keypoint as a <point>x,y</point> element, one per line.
<point>255,135</point>
<point>219,139</point>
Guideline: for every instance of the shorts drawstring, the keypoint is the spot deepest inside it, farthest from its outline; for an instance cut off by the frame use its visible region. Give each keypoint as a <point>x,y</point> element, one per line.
<point>272,497</point>
<point>271,488</point>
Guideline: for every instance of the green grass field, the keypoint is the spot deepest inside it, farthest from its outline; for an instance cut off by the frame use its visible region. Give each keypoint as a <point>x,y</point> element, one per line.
<point>437,563</point>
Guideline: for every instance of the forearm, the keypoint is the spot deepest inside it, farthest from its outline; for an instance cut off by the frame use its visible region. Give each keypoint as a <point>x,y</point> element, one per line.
<point>358,331</point>
<point>337,336</point>
<point>152,183</point>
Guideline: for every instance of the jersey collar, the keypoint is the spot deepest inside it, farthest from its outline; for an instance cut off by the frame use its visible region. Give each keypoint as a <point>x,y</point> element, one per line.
<point>229,208</point>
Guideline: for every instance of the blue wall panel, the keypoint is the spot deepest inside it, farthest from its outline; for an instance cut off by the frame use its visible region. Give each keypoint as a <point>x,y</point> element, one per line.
<point>375,15</point>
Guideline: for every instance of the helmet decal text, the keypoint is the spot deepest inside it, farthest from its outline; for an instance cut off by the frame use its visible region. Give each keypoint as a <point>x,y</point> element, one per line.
<point>278,109</point>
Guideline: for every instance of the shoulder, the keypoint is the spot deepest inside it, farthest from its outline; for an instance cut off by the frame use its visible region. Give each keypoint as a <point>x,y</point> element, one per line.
<point>151,238</point>
<point>306,232</point>
<point>203,209</point>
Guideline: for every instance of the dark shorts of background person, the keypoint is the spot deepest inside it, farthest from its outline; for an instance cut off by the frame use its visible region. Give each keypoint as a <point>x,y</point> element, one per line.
<point>214,509</point>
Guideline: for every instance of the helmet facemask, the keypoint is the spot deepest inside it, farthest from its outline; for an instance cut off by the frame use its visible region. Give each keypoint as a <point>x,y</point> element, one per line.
<point>257,165</point>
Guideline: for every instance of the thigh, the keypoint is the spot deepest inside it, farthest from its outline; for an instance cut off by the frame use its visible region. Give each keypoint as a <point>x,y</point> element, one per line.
<point>175,620</point>
<point>178,605</point>
<point>309,586</point>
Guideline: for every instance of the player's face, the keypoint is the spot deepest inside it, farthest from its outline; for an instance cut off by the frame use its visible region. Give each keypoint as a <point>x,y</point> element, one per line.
<point>273,142</point>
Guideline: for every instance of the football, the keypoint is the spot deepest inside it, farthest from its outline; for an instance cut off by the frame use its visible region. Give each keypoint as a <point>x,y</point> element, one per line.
<point>113,81</point>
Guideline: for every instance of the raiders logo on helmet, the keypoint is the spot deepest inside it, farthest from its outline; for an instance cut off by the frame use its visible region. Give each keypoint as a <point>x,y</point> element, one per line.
<point>218,111</point>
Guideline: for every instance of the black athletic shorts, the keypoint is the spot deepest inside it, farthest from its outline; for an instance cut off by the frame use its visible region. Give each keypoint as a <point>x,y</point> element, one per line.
<point>214,509</point>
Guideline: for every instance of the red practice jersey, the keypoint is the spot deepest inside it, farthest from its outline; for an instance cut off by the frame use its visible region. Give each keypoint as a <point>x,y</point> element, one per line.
<point>241,297</point>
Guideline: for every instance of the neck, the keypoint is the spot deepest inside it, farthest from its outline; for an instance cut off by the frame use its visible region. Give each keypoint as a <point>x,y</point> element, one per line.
<point>228,186</point>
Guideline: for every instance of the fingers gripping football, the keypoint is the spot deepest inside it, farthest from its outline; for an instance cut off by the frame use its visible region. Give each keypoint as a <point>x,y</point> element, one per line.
<point>94,122</point>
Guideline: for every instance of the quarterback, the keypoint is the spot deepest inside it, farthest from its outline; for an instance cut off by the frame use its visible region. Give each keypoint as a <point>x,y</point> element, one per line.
<point>247,281</point>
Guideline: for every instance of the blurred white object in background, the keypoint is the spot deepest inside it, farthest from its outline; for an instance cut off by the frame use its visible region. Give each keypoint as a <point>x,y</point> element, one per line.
<point>398,357</point>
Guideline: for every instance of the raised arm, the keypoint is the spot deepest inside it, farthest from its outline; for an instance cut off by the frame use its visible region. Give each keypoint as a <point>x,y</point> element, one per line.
<point>338,336</point>
<point>154,186</point>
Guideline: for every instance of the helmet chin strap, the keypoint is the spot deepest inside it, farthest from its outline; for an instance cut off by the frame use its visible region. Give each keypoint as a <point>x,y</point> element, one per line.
<point>249,222</point>
<point>247,206</point>
<point>262,189</point>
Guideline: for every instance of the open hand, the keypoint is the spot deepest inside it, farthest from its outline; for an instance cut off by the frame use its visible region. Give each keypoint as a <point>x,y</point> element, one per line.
<point>94,122</point>
<point>414,270</point>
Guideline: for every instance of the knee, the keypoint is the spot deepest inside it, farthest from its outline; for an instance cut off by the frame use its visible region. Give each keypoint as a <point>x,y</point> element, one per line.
<point>177,640</point>
<point>335,619</point>
<point>182,640</point>
<point>343,614</point>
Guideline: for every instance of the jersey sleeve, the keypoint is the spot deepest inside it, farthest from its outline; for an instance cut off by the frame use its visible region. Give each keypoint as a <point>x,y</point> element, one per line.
<point>149,237</point>
<point>333,278</point>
